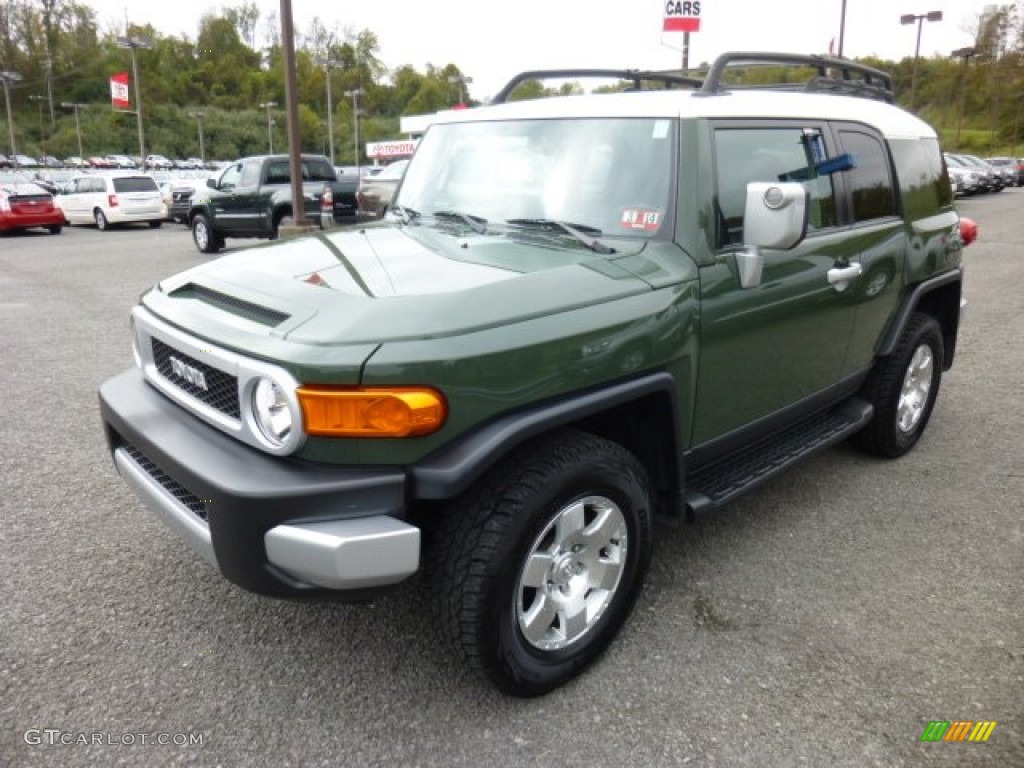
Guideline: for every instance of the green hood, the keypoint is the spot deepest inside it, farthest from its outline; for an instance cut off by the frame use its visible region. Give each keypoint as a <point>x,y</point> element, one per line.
<point>386,283</point>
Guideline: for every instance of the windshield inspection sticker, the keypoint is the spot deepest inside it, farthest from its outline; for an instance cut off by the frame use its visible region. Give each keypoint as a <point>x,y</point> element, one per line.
<point>641,218</point>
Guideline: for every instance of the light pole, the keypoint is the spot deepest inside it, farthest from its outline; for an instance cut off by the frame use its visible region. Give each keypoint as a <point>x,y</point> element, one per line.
<point>920,18</point>
<point>842,29</point>
<point>462,80</point>
<point>7,77</point>
<point>965,54</point>
<point>269,105</point>
<point>132,43</point>
<point>78,127</point>
<point>330,64</point>
<point>40,99</point>
<point>354,95</point>
<point>199,115</point>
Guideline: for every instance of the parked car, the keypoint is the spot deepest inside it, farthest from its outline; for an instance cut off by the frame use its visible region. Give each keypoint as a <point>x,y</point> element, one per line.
<point>376,191</point>
<point>106,200</point>
<point>24,161</point>
<point>181,192</point>
<point>6,162</point>
<point>96,161</point>
<point>158,163</point>
<point>991,180</point>
<point>74,162</point>
<point>966,181</point>
<point>253,195</point>
<point>1011,167</point>
<point>25,205</point>
<point>120,161</point>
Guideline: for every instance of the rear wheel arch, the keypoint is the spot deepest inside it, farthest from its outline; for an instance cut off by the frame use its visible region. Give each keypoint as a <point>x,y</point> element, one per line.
<point>939,298</point>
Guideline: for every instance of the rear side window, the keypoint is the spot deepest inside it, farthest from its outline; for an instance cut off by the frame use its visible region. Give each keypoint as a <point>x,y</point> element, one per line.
<point>135,184</point>
<point>870,179</point>
<point>785,153</point>
<point>922,175</point>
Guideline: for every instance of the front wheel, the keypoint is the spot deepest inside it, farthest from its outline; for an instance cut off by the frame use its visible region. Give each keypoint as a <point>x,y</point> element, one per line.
<point>155,224</point>
<point>101,220</point>
<point>540,564</point>
<point>206,241</point>
<point>903,388</point>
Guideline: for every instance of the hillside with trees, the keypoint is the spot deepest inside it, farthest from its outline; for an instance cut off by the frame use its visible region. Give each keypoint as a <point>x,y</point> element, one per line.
<point>234,65</point>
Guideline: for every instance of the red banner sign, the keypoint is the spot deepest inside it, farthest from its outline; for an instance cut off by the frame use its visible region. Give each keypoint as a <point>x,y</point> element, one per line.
<point>119,91</point>
<point>682,16</point>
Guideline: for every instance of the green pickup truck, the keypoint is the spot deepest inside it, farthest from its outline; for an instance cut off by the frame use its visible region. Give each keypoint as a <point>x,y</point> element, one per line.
<point>253,195</point>
<point>578,313</point>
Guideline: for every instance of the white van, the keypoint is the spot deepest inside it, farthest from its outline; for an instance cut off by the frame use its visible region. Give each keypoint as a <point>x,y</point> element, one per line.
<point>113,199</point>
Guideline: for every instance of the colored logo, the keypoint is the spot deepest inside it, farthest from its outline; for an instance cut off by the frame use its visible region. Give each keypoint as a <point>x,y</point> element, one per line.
<point>958,730</point>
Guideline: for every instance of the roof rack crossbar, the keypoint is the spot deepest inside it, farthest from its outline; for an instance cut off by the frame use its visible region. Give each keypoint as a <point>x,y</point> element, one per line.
<point>853,78</point>
<point>636,76</point>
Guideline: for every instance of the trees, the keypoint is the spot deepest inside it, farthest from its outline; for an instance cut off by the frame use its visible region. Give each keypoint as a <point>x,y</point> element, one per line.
<point>235,63</point>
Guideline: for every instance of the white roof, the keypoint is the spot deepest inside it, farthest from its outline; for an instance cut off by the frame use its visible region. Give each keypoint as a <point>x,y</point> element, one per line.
<point>893,122</point>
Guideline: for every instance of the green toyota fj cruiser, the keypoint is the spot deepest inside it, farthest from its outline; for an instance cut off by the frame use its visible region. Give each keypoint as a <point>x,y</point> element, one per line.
<point>579,312</point>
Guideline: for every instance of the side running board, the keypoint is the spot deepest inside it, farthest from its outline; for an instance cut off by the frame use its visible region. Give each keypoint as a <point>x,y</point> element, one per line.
<point>723,480</point>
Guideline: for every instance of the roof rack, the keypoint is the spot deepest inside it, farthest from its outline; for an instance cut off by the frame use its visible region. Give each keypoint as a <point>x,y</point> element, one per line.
<point>637,76</point>
<point>835,75</point>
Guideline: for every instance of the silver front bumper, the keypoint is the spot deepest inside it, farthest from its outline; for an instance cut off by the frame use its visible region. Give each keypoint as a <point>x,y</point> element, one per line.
<point>357,553</point>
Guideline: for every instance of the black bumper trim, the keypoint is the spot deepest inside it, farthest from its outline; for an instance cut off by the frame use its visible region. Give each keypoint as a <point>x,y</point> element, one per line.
<point>246,492</point>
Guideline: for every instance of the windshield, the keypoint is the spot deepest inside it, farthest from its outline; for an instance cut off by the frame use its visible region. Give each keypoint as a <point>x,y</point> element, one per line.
<point>612,175</point>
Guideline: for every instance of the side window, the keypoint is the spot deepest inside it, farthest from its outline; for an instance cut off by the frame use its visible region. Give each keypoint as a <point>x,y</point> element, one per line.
<point>870,179</point>
<point>230,178</point>
<point>250,174</point>
<point>278,172</point>
<point>785,153</point>
<point>922,177</point>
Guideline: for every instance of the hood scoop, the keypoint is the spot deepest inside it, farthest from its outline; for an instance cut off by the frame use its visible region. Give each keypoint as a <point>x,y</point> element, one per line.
<point>233,304</point>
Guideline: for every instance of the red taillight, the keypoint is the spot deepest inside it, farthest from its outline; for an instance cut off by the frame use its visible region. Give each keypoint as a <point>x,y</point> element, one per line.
<point>968,230</point>
<point>327,200</point>
<point>112,201</point>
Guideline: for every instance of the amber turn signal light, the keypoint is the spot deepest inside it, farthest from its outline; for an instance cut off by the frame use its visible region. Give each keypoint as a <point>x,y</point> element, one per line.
<point>397,412</point>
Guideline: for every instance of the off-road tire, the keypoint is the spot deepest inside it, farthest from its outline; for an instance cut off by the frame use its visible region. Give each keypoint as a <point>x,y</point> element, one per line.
<point>890,382</point>
<point>486,538</point>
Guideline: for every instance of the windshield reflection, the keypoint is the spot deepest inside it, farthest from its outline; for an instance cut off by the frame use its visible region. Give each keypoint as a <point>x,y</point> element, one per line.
<point>612,176</point>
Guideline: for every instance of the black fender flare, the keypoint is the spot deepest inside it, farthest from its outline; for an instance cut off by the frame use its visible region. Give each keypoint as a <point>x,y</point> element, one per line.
<point>452,469</point>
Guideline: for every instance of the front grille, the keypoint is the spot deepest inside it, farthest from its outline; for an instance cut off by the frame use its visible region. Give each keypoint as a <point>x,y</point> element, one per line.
<point>184,496</point>
<point>221,391</point>
<point>181,197</point>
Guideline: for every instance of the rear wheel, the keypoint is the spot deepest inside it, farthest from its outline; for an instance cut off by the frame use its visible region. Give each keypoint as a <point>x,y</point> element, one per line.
<point>540,564</point>
<point>205,239</point>
<point>55,229</point>
<point>903,388</point>
<point>155,224</point>
<point>100,219</point>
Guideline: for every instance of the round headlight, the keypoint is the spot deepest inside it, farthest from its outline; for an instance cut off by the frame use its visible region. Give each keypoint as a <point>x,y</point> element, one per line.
<point>270,412</point>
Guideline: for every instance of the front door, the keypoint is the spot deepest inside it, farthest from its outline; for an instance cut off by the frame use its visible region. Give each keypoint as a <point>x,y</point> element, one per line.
<point>771,346</point>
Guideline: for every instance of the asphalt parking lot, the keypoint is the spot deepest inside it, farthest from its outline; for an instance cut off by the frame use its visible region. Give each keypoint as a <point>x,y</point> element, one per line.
<point>823,620</point>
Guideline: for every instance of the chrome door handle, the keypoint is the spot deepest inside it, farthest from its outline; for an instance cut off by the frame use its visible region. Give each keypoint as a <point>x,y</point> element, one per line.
<point>840,277</point>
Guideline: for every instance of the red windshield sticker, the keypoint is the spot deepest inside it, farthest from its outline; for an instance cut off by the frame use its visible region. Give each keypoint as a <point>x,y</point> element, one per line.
<point>641,218</point>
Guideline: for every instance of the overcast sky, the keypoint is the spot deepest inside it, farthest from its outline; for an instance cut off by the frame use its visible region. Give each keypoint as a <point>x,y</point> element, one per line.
<point>491,40</point>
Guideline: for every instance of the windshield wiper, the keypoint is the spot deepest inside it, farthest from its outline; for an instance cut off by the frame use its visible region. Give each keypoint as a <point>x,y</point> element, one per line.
<point>477,223</point>
<point>578,231</point>
<point>408,215</point>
